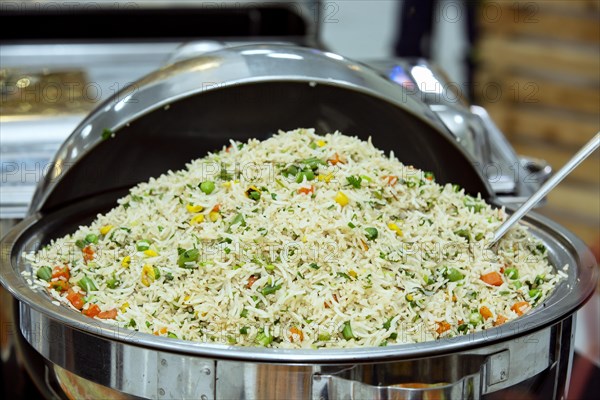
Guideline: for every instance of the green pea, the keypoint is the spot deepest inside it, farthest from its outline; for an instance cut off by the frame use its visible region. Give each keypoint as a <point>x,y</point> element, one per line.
<point>207,187</point>
<point>454,275</point>
<point>91,238</point>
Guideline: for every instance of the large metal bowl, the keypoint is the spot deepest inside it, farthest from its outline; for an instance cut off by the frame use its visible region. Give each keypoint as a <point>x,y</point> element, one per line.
<point>185,110</point>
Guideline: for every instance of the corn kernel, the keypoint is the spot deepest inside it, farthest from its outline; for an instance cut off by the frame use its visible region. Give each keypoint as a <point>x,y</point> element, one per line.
<point>325,178</point>
<point>194,208</point>
<point>197,219</point>
<point>341,199</point>
<point>352,273</point>
<point>409,297</point>
<point>321,143</point>
<point>186,298</point>
<point>148,275</point>
<point>395,228</point>
<point>304,239</point>
<point>105,229</point>
<point>124,307</point>
<point>214,216</point>
<point>126,261</point>
<point>227,184</point>
<point>150,253</point>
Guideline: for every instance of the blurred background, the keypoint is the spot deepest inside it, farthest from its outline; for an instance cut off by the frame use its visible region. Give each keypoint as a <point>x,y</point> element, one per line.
<point>534,65</point>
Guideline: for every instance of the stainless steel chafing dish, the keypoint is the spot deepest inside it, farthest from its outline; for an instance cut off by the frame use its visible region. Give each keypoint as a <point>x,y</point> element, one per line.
<point>192,106</point>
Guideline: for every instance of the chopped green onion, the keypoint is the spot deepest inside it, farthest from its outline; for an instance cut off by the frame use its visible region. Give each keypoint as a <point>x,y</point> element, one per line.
<point>244,313</point>
<point>270,267</point>
<point>270,289</point>
<point>323,337</point>
<point>314,266</point>
<point>156,272</point>
<point>463,328</point>
<point>44,273</point>
<point>355,181</point>
<point>479,236</point>
<point>113,282</point>
<point>171,335</point>
<point>464,233</point>
<point>344,275</point>
<point>535,293</point>
<point>142,245</point>
<point>238,219</point>
<point>244,330</point>
<point>475,318</point>
<point>188,257</point>
<point>106,133</point>
<point>253,194</point>
<point>87,284</point>
<point>80,243</point>
<point>168,276</point>
<point>347,331</point>
<point>511,273</point>
<point>387,324</point>
<point>351,225</point>
<point>371,233</point>
<point>264,339</point>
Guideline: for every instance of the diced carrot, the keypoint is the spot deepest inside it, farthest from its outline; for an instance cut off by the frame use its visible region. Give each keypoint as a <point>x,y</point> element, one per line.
<point>391,179</point>
<point>216,208</point>
<point>109,314</point>
<point>76,299</point>
<point>251,280</point>
<point>327,304</point>
<point>228,148</point>
<point>485,312</point>
<point>461,321</point>
<point>59,285</point>
<point>296,332</point>
<point>500,320</point>
<point>336,159</point>
<point>88,253</point>
<point>454,299</point>
<point>91,311</point>
<point>61,272</point>
<point>306,190</point>
<point>161,331</point>
<point>521,307</point>
<point>502,269</point>
<point>443,326</point>
<point>493,278</point>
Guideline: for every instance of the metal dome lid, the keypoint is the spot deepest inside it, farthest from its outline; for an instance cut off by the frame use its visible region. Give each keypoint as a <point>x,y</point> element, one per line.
<point>190,107</point>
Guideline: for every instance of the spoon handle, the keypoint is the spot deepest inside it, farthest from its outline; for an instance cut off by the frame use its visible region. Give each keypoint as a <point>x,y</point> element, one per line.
<point>581,155</point>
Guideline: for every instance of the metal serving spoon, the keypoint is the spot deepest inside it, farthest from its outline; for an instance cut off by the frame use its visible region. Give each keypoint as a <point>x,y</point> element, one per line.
<point>547,187</point>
